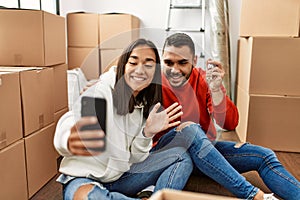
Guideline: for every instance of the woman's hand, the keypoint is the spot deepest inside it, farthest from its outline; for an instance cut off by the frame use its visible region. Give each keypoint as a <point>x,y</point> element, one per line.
<point>85,143</point>
<point>160,121</point>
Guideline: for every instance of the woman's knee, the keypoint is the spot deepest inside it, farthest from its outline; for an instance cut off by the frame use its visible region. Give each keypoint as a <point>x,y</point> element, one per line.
<point>83,191</point>
<point>184,124</point>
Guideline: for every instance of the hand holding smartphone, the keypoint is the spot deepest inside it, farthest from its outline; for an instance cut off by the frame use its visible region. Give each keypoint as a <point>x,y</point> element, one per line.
<point>91,106</point>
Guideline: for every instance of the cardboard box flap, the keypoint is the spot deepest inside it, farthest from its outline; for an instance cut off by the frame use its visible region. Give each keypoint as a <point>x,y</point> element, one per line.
<point>82,29</point>
<point>10,108</point>
<point>19,69</point>
<point>270,18</point>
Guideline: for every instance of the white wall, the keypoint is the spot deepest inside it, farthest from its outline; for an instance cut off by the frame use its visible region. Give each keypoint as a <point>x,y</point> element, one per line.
<point>153,15</point>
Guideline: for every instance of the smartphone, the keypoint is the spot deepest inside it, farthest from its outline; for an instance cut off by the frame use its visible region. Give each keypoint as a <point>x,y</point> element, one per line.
<point>91,106</point>
<point>210,66</point>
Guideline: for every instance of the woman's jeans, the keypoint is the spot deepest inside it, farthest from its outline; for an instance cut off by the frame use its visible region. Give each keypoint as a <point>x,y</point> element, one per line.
<point>165,169</point>
<point>223,162</point>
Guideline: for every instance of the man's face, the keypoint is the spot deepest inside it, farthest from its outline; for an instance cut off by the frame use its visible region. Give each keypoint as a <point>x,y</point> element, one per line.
<point>177,64</point>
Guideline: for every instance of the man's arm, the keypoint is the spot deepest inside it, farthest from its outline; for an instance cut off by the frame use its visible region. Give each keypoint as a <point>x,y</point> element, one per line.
<point>221,107</point>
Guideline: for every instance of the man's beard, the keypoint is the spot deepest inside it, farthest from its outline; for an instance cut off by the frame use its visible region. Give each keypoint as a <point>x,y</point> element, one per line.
<point>171,75</point>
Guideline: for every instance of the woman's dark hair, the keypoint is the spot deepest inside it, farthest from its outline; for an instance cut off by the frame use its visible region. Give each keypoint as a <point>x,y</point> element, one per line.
<point>123,98</point>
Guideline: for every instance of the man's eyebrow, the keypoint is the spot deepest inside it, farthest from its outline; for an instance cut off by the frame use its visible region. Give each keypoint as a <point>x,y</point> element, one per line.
<point>183,60</point>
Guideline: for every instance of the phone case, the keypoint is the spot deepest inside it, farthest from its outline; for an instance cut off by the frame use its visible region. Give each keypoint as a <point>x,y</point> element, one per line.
<point>91,106</point>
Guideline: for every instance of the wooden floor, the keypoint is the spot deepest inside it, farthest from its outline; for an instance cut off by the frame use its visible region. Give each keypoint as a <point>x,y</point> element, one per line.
<point>53,190</point>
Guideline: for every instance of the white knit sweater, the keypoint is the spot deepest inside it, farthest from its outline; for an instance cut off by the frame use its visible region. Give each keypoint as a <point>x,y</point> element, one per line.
<point>125,143</point>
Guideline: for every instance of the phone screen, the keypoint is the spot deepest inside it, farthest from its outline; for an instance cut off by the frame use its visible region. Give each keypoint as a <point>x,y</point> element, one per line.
<point>94,107</point>
<point>91,106</point>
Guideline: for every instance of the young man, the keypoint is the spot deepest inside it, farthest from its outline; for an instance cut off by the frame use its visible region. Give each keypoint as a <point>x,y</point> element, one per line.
<point>203,99</point>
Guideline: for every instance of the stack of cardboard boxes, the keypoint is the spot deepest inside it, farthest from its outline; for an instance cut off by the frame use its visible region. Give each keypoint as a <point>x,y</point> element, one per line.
<point>95,41</point>
<point>33,93</point>
<point>268,85</point>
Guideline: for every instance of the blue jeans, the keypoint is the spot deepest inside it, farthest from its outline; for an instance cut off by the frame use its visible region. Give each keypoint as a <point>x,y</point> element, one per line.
<point>223,162</point>
<point>252,157</point>
<point>165,169</point>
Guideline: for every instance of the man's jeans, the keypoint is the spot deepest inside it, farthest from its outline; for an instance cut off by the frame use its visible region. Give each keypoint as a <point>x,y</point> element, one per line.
<point>165,169</point>
<point>224,162</point>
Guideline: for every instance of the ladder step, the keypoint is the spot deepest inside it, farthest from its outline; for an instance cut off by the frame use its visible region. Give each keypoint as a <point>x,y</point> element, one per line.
<point>185,7</point>
<point>201,30</point>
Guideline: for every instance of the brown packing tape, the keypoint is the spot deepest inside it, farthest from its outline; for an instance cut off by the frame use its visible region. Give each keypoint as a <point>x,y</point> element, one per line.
<point>0,81</point>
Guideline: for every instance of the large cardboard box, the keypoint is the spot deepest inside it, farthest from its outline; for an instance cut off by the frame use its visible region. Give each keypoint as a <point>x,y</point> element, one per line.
<point>57,116</point>
<point>109,57</point>
<point>82,29</point>
<point>10,109</point>
<point>269,65</point>
<point>168,194</point>
<point>41,157</point>
<point>31,38</point>
<point>37,96</point>
<point>270,18</point>
<point>13,172</point>
<point>60,87</point>
<point>118,30</point>
<point>85,58</point>
<point>269,120</point>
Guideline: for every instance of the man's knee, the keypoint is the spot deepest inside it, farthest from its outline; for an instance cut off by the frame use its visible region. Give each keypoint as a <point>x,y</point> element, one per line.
<point>183,125</point>
<point>83,192</point>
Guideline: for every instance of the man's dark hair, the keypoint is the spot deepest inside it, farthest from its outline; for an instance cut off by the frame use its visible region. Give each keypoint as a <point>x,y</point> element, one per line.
<point>123,98</point>
<point>179,40</point>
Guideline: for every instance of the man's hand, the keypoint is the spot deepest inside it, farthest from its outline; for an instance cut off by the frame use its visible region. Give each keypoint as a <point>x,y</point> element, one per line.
<point>214,78</point>
<point>160,121</point>
<point>83,143</point>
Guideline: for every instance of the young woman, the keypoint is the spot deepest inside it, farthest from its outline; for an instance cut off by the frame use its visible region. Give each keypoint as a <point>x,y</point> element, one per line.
<point>126,166</point>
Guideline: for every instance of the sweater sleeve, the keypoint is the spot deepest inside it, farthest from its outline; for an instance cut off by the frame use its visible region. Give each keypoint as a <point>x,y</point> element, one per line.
<point>140,147</point>
<point>226,113</point>
<point>62,133</point>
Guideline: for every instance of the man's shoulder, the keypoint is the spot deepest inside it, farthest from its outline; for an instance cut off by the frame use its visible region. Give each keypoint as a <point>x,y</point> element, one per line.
<point>198,73</point>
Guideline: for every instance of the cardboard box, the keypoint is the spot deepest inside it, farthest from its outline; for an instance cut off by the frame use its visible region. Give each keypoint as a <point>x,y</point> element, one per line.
<point>269,65</point>
<point>85,58</point>
<point>109,57</point>
<point>57,116</point>
<point>13,172</point>
<point>269,120</point>
<point>37,96</point>
<point>118,30</point>
<point>10,109</point>
<point>168,194</point>
<point>40,158</point>
<point>270,18</point>
<point>60,87</point>
<point>31,38</point>
<point>82,29</point>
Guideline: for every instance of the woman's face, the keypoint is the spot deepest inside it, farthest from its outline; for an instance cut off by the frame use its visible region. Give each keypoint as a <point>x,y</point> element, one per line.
<point>140,68</point>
